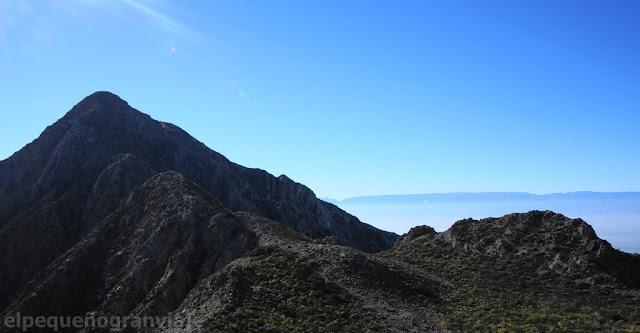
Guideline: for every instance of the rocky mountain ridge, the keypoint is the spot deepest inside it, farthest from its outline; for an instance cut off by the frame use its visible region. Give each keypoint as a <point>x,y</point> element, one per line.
<point>54,191</point>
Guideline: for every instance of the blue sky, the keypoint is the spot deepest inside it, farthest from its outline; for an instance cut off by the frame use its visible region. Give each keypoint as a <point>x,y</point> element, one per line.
<point>351,97</point>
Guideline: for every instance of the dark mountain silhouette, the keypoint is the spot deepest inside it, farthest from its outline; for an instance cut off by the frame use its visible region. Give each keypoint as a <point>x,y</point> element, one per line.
<point>111,213</point>
<point>55,191</point>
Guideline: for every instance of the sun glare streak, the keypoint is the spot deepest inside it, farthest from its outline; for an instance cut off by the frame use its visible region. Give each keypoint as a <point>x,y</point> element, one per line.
<point>170,25</point>
<point>30,24</point>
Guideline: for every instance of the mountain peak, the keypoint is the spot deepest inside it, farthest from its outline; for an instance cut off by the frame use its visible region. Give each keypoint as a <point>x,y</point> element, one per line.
<point>103,98</point>
<point>102,102</point>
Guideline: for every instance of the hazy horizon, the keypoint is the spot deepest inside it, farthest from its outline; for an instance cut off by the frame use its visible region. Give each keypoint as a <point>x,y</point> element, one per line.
<point>615,216</point>
<point>469,192</point>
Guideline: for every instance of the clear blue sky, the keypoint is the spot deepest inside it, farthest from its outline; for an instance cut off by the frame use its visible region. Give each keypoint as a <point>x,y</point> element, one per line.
<point>351,97</point>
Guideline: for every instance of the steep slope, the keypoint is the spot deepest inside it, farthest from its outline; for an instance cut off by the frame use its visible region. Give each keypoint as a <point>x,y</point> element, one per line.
<point>148,253</point>
<point>58,188</point>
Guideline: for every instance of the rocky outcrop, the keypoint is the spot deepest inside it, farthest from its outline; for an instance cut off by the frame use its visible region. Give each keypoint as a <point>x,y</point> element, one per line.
<point>416,232</point>
<point>546,239</point>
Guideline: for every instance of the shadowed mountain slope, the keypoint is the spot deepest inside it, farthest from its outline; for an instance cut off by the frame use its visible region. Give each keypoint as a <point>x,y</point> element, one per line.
<point>169,247</point>
<point>58,188</point>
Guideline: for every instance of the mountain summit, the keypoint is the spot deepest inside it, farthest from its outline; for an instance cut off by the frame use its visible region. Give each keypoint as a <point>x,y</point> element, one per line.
<point>87,151</point>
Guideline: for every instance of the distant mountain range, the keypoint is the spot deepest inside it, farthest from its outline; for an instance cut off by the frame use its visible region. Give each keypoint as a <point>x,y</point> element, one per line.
<point>112,214</point>
<point>628,200</point>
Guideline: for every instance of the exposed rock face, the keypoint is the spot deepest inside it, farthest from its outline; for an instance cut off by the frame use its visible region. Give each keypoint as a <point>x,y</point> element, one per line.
<point>59,188</point>
<point>549,240</point>
<point>416,232</point>
<point>145,257</point>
